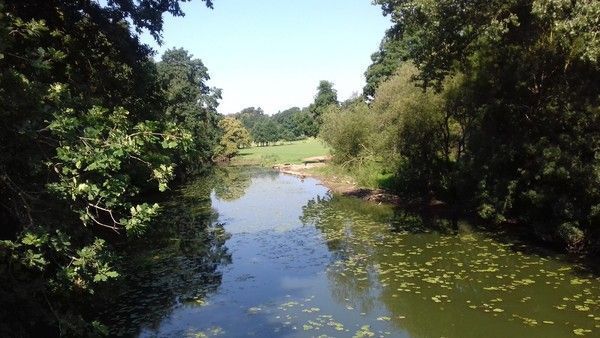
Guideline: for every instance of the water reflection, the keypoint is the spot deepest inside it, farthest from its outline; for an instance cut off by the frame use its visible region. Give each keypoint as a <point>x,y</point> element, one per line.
<point>440,278</point>
<point>231,183</point>
<point>178,264</point>
<point>276,256</point>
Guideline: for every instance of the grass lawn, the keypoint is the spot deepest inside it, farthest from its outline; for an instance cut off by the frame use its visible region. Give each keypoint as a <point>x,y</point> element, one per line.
<point>286,152</point>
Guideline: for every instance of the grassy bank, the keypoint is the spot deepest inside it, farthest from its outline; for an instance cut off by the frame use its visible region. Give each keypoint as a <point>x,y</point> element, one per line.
<point>284,153</point>
<point>369,175</point>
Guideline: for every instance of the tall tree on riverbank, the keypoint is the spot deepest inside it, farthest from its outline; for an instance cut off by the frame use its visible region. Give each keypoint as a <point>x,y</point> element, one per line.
<point>515,128</point>
<point>83,136</point>
<point>191,104</point>
<point>384,62</point>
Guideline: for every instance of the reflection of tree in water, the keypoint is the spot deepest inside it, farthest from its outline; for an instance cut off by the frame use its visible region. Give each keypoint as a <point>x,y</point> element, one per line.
<point>231,183</point>
<point>435,277</point>
<point>177,264</point>
<point>363,239</point>
<point>340,219</point>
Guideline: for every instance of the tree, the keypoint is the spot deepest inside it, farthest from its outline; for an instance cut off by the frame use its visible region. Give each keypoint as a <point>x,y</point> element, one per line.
<point>287,122</point>
<point>520,83</point>
<point>250,116</point>
<point>265,132</point>
<point>190,103</point>
<point>347,130</point>
<point>235,136</point>
<point>326,96</point>
<point>83,137</point>
<point>306,124</point>
<point>385,62</point>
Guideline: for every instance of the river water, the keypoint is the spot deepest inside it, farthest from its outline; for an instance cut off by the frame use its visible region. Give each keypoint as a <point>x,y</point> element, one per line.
<point>262,254</point>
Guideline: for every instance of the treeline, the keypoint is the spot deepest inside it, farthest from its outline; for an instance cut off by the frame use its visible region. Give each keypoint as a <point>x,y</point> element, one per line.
<point>91,129</point>
<point>291,124</point>
<point>490,106</point>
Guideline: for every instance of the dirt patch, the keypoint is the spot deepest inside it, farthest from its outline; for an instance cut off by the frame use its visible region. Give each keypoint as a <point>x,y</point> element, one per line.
<point>298,169</point>
<point>317,159</point>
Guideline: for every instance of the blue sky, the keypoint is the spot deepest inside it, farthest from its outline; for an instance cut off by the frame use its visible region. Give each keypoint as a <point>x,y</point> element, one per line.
<point>272,53</point>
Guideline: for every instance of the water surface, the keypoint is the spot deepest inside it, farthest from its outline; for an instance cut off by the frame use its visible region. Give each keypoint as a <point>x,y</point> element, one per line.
<point>258,253</point>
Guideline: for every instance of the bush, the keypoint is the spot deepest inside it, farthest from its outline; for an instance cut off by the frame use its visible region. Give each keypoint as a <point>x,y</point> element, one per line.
<point>347,131</point>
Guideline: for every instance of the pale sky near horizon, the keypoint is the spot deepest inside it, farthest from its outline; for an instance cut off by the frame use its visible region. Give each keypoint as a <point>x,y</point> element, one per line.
<point>273,53</point>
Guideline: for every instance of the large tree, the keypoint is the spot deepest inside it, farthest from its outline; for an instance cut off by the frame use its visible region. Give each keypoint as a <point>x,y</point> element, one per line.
<point>526,100</point>
<point>82,135</point>
<point>385,62</point>
<point>190,103</point>
<point>266,131</point>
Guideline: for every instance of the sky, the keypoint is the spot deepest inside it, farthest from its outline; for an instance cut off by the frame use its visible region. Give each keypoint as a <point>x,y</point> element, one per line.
<point>273,53</point>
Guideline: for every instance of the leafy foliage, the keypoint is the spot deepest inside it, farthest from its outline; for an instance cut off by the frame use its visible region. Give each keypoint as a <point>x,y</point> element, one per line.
<point>347,131</point>
<point>235,136</point>
<point>97,151</point>
<point>384,64</point>
<point>504,122</point>
<point>325,97</point>
<point>266,131</point>
<point>88,132</point>
<point>250,116</point>
<point>191,104</point>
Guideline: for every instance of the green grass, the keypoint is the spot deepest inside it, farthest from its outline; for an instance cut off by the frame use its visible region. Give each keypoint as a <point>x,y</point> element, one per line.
<point>370,174</point>
<point>286,152</point>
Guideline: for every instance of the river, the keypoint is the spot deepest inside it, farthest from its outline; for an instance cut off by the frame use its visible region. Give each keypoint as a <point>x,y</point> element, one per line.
<point>251,252</point>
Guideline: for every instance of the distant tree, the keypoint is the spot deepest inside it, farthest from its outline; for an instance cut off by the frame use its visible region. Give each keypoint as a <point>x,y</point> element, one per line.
<point>326,96</point>
<point>250,116</point>
<point>265,132</point>
<point>287,135</point>
<point>306,124</point>
<point>235,136</point>
<point>259,133</point>
<point>287,122</point>
<point>273,131</point>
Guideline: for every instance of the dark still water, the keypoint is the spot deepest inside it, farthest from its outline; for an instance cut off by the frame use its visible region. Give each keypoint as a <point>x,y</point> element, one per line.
<point>258,253</point>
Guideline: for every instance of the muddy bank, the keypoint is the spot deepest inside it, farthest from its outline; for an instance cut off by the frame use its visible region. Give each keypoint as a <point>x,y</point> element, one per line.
<point>339,185</point>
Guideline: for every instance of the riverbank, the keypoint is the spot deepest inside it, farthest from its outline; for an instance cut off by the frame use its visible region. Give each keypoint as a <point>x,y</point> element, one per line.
<point>338,183</point>
<point>284,257</point>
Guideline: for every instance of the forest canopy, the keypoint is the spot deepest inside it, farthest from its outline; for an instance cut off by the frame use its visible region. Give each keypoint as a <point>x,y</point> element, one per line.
<point>491,106</point>
<point>91,126</point>
<point>488,107</point>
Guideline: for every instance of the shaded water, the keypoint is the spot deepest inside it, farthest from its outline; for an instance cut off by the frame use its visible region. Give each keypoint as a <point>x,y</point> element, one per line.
<point>283,257</point>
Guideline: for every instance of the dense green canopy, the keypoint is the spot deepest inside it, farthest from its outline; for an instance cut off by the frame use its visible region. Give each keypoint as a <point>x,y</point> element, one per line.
<point>505,123</point>
<point>492,106</point>
<point>89,127</point>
